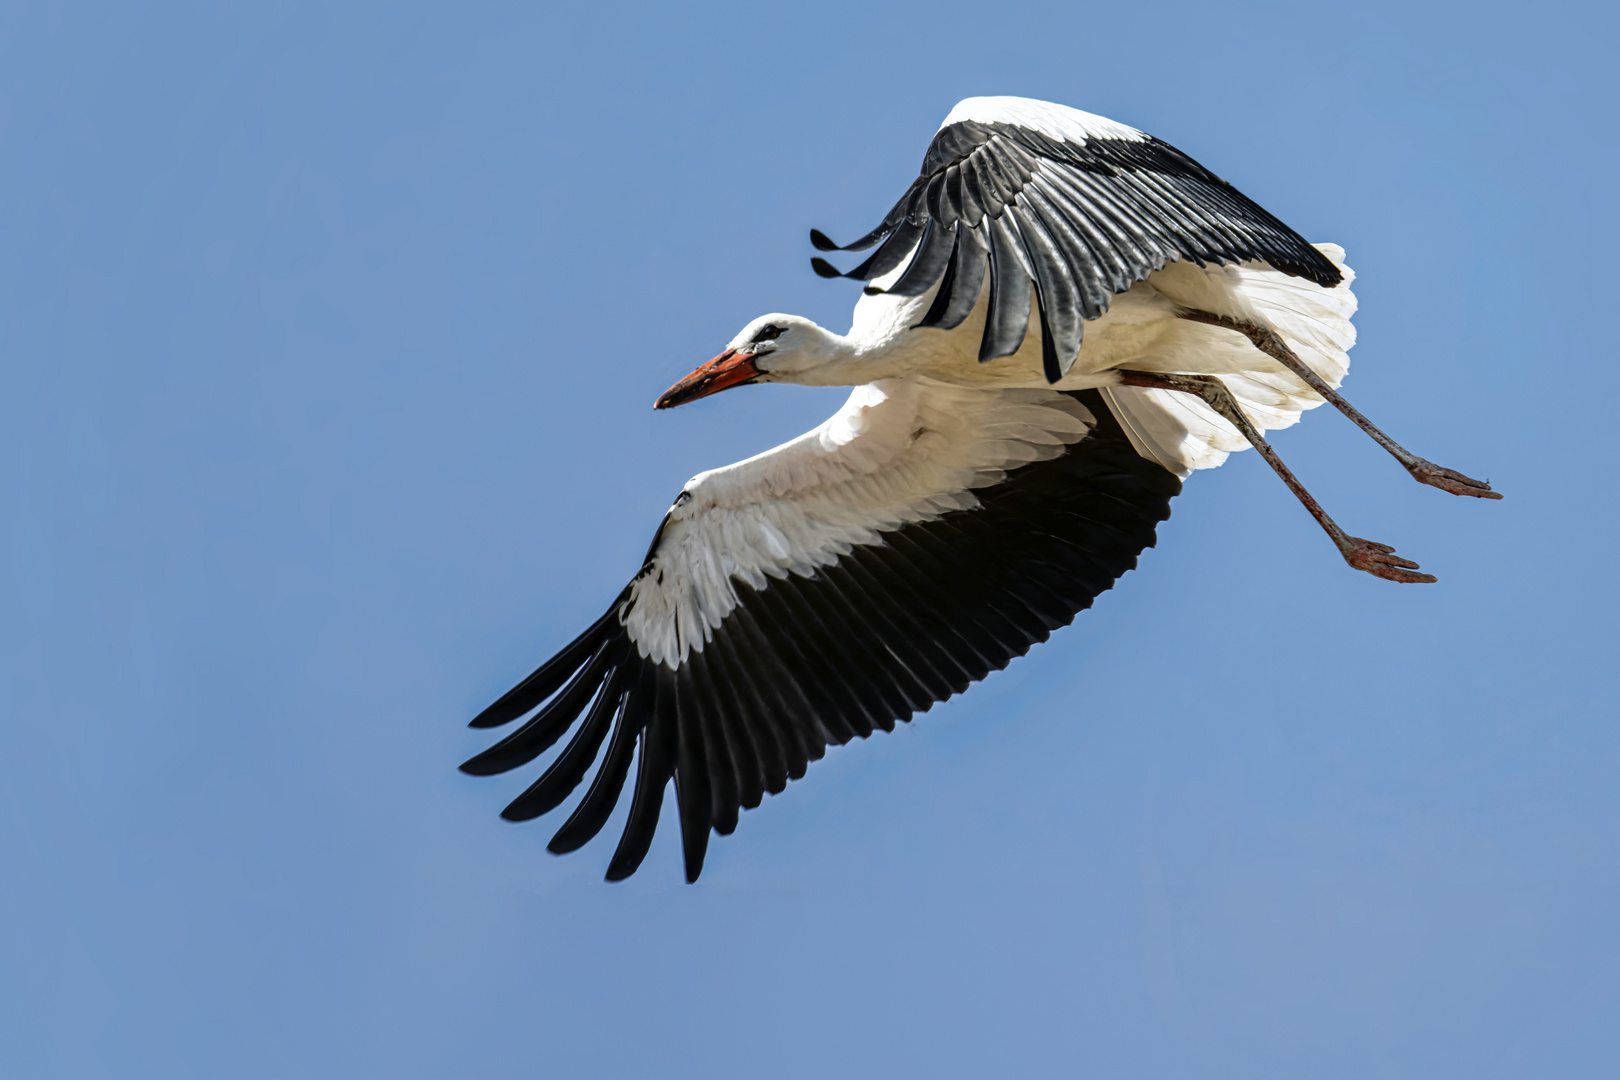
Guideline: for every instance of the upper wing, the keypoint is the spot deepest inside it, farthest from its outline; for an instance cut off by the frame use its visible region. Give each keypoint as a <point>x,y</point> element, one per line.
<point>1029,192</point>
<point>920,538</point>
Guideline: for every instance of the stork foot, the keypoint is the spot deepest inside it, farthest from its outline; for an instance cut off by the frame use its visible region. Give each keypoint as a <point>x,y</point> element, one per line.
<point>1380,560</point>
<point>1427,472</point>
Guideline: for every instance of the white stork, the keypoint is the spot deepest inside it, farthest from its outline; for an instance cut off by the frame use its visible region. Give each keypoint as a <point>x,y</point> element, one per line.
<point>1066,316</point>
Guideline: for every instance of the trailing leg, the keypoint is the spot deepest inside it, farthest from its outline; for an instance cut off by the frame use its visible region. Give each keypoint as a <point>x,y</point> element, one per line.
<point>1422,470</point>
<point>1376,559</point>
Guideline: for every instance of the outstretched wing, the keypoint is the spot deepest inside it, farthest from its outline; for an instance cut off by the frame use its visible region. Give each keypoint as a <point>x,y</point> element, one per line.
<point>1029,193</point>
<point>921,538</point>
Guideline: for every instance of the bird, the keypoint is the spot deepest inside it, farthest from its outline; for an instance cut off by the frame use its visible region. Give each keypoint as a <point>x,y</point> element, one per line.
<point>1063,317</point>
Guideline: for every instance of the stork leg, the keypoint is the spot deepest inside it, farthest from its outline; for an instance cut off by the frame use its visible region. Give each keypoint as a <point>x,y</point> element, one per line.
<point>1422,470</point>
<point>1376,559</point>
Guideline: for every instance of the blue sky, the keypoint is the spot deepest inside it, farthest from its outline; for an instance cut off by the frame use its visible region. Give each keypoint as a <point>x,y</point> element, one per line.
<point>328,339</point>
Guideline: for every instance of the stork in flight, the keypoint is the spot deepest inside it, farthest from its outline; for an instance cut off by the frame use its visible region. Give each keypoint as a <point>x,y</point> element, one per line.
<point>1065,317</point>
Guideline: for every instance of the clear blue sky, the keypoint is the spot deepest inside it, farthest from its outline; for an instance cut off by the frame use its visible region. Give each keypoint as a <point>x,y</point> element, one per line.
<point>328,340</point>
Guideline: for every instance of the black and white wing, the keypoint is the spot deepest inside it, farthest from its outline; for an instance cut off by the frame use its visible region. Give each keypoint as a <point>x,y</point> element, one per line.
<point>1031,194</point>
<point>919,539</point>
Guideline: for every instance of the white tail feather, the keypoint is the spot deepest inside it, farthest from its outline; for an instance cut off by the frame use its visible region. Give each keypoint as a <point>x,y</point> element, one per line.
<point>1182,433</point>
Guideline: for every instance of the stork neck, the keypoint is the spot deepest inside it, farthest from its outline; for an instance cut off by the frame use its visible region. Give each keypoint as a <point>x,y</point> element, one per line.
<point>838,361</point>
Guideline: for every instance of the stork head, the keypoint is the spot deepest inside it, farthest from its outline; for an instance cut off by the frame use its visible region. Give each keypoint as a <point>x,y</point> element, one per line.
<point>772,348</point>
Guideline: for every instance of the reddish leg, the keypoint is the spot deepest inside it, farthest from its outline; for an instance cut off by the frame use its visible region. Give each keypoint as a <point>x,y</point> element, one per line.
<point>1422,470</point>
<point>1378,560</point>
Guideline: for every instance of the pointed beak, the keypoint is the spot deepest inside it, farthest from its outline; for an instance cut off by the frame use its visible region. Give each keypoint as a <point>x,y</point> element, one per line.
<point>730,368</point>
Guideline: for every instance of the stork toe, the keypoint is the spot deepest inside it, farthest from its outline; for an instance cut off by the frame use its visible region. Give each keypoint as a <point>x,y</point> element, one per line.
<point>1380,560</point>
<point>1427,472</point>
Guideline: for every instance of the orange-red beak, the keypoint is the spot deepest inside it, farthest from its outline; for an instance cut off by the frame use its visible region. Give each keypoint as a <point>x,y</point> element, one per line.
<point>730,368</point>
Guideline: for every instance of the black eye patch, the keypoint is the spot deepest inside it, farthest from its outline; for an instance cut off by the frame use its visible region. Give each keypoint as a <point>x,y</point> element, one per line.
<point>769,333</point>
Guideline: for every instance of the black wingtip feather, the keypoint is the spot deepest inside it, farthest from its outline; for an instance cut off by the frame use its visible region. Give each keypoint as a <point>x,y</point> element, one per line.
<point>538,734</point>
<point>821,241</point>
<point>550,676</point>
<point>603,794</point>
<point>656,767</point>
<point>564,774</point>
<point>1051,366</point>
<point>695,824</point>
<point>825,269</point>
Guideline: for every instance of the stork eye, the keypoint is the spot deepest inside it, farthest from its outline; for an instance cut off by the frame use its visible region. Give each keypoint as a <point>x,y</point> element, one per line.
<point>769,333</point>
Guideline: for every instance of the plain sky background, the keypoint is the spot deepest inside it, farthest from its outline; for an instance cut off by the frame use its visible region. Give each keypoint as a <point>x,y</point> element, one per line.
<point>328,340</point>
